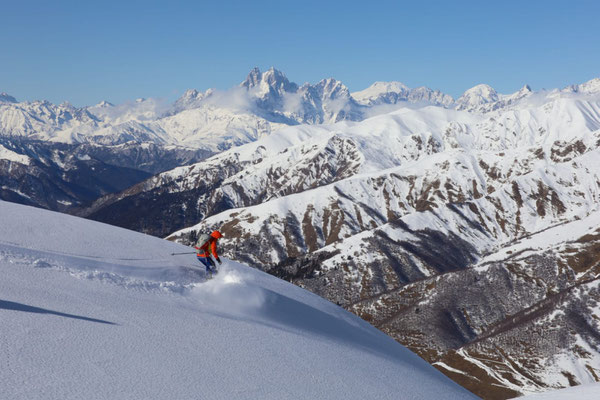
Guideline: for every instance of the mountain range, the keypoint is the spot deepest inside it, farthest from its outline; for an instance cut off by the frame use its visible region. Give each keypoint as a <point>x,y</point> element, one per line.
<point>465,229</point>
<point>217,120</point>
<point>149,136</point>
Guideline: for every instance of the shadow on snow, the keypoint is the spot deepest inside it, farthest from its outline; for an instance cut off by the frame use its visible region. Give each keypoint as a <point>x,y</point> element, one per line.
<point>9,305</point>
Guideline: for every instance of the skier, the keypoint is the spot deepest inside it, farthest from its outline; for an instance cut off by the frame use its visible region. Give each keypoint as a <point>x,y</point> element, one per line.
<point>208,246</point>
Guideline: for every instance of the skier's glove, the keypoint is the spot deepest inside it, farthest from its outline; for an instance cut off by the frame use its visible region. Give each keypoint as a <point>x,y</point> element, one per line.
<point>219,261</point>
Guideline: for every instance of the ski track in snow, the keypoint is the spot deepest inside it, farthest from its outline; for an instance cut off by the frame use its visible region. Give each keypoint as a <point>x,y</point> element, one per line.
<point>92,311</point>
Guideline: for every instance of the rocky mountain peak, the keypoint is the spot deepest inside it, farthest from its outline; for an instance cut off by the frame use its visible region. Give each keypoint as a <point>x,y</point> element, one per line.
<point>191,98</point>
<point>104,104</point>
<point>190,94</point>
<point>270,82</point>
<point>521,93</point>
<point>331,88</point>
<point>253,78</point>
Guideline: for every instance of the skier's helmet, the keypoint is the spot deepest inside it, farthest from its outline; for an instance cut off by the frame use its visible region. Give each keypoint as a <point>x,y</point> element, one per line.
<point>216,234</point>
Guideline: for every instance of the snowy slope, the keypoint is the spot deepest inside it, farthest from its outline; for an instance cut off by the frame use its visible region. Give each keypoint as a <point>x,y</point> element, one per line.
<point>97,312</point>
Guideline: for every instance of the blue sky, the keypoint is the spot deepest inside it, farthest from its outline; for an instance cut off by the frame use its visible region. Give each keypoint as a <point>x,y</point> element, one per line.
<point>87,51</point>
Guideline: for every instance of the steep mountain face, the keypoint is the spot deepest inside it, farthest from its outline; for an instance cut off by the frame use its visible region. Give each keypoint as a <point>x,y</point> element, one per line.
<point>60,176</point>
<point>56,177</point>
<point>325,102</point>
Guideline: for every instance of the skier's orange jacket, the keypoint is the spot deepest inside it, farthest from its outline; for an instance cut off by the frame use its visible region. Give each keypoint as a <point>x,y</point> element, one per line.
<point>211,244</point>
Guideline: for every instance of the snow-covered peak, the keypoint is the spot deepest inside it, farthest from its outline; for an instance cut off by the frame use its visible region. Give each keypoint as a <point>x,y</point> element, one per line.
<point>476,96</point>
<point>271,83</point>
<point>589,87</point>
<point>331,88</point>
<point>424,94</point>
<point>511,99</point>
<point>253,78</point>
<point>281,100</point>
<point>379,89</point>
<point>483,91</point>
<point>7,98</point>
<point>190,94</point>
<point>394,92</point>
<point>525,89</point>
<point>191,98</point>
<point>104,104</point>
<point>483,99</point>
<point>523,92</point>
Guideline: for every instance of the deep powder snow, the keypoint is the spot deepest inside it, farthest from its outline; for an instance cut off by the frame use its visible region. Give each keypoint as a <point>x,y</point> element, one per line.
<point>91,311</point>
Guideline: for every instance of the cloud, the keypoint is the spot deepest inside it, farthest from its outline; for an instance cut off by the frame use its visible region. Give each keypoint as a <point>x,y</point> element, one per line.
<point>236,98</point>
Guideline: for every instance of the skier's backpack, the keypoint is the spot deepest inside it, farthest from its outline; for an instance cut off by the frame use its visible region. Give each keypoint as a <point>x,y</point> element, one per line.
<point>202,239</point>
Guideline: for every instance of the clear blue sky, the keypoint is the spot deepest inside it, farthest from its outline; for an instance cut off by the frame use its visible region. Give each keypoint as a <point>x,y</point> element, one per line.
<point>87,51</point>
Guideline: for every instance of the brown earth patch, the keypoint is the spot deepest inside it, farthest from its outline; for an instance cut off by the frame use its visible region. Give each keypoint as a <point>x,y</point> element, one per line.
<point>309,231</point>
<point>475,379</point>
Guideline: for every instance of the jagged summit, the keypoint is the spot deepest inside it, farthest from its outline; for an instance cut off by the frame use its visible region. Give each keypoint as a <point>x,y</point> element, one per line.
<point>191,98</point>
<point>331,88</point>
<point>269,83</point>
<point>525,91</point>
<point>190,94</point>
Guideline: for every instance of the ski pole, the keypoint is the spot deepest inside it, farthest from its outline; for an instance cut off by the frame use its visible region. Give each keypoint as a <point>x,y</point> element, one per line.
<point>189,252</point>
